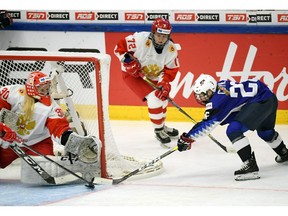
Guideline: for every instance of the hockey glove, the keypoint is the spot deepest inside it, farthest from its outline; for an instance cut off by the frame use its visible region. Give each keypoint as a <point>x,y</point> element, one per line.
<point>163,91</point>
<point>7,135</point>
<point>132,65</point>
<point>184,143</point>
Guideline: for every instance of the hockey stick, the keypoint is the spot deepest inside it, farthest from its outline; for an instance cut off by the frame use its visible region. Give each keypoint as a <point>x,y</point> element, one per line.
<point>89,184</point>
<point>32,163</point>
<point>226,149</point>
<point>35,166</point>
<point>117,181</point>
<point>209,135</point>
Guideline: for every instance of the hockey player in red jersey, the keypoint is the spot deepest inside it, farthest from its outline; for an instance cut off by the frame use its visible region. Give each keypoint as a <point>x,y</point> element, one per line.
<point>154,55</point>
<point>38,119</point>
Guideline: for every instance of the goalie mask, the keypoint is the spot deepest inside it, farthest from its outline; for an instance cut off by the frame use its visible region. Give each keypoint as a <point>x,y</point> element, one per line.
<point>161,30</point>
<point>204,88</point>
<point>38,87</point>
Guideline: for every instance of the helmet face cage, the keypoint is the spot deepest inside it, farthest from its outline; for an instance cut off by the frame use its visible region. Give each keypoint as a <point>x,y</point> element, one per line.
<point>204,88</point>
<point>161,26</point>
<point>38,86</point>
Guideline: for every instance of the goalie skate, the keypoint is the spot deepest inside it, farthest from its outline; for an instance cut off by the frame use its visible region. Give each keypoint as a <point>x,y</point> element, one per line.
<point>248,171</point>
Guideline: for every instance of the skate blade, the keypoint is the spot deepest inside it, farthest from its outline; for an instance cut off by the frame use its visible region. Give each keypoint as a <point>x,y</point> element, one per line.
<point>174,137</point>
<point>102,181</point>
<point>248,176</point>
<point>166,145</point>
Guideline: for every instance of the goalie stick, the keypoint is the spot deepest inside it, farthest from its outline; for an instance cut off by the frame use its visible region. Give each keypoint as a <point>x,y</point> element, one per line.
<point>117,181</point>
<point>89,184</point>
<point>225,148</point>
<point>40,171</point>
<point>32,163</point>
<point>95,181</point>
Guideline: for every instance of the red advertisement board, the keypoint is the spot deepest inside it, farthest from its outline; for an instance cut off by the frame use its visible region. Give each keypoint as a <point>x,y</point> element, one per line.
<point>224,56</point>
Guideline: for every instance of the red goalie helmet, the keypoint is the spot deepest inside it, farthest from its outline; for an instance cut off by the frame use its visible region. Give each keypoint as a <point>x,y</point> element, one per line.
<point>161,26</point>
<point>38,87</point>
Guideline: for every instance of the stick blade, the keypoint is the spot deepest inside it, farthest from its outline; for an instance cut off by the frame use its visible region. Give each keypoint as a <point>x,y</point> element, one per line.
<point>230,149</point>
<point>102,181</point>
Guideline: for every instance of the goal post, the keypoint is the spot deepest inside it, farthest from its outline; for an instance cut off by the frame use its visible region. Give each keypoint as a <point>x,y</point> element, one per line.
<point>86,77</point>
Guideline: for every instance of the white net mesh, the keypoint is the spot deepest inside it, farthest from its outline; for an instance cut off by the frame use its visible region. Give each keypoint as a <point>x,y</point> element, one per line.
<point>87,75</point>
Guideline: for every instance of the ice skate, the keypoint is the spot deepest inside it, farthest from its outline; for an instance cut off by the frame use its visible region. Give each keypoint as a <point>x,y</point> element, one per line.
<point>248,171</point>
<point>171,132</point>
<point>163,137</point>
<point>283,156</point>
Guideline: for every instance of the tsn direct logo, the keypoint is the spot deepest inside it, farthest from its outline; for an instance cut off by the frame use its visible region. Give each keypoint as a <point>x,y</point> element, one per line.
<point>36,15</point>
<point>236,17</point>
<point>184,17</point>
<point>134,16</point>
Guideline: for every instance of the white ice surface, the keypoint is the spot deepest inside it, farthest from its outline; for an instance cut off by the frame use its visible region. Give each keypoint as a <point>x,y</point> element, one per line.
<point>201,177</point>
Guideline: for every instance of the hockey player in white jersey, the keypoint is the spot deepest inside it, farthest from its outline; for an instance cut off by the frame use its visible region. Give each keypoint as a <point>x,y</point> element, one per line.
<point>154,55</point>
<point>39,119</point>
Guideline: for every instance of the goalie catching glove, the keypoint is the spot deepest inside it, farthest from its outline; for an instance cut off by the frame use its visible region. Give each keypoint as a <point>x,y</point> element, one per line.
<point>163,91</point>
<point>132,65</point>
<point>184,143</point>
<point>87,148</point>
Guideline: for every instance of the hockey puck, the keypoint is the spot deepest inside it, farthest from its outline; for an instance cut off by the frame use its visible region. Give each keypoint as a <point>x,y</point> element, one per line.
<point>91,185</point>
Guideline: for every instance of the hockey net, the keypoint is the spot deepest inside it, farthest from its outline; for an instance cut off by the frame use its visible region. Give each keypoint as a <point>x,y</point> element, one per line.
<point>85,77</point>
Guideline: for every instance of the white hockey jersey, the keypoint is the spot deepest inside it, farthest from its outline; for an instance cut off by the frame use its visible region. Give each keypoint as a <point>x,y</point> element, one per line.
<point>155,66</point>
<point>46,121</point>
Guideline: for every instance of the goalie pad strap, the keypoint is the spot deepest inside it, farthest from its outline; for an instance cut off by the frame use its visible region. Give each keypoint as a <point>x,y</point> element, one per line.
<point>65,137</point>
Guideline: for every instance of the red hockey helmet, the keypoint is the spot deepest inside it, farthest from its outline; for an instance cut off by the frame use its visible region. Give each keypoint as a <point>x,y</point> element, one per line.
<point>38,87</point>
<point>161,26</point>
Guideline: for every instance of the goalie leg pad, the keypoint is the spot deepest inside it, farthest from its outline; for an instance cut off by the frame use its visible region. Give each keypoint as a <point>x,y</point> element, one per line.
<point>87,170</point>
<point>87,148</point>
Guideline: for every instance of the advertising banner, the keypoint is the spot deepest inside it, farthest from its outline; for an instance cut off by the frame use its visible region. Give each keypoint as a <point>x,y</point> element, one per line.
<point>228,44</point>
<point>224,56</point>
